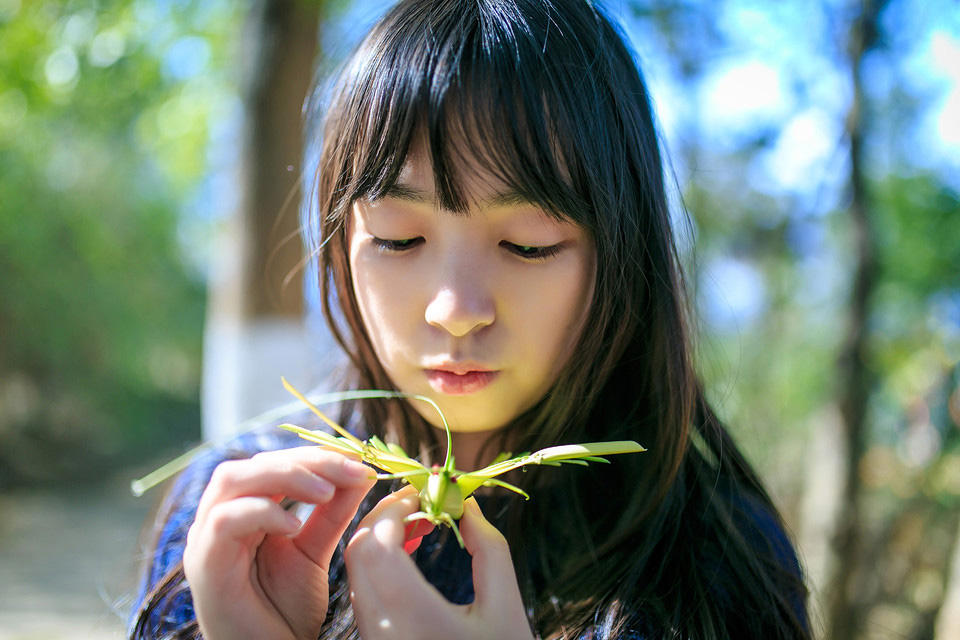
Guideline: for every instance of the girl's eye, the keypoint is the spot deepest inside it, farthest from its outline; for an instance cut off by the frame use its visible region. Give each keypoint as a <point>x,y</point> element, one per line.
<point>532,252</point>
<point>396,245</point>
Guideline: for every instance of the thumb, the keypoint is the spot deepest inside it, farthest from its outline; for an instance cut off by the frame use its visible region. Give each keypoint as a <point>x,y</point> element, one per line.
<point>494,579</point>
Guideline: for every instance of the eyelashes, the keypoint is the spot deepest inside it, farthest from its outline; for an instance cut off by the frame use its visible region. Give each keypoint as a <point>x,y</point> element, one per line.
<point>528,252</point>
<point>532,252</point>
<point>396,246</point>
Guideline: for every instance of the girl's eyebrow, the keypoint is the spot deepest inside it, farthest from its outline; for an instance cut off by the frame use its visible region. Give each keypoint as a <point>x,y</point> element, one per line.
<point>402,191</point>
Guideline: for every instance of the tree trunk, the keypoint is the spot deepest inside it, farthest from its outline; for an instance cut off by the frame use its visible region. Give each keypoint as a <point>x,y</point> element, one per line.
<point>855,377</point>
<point>255,330</point>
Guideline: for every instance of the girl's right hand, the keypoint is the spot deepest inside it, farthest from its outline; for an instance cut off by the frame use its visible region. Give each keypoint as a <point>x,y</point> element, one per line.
<point>253,569</point>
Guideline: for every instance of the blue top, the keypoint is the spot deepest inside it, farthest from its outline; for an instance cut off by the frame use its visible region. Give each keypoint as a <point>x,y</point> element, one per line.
<point>444,564</point>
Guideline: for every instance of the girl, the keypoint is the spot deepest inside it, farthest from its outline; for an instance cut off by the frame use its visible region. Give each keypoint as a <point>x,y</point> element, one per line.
<point>492,231</point>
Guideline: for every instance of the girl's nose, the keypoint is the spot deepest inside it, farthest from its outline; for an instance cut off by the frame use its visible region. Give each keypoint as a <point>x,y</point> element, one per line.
<point>460,309</point>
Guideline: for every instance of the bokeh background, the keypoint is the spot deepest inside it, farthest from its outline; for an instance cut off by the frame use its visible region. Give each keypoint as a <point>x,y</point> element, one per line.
<point>151,288</point>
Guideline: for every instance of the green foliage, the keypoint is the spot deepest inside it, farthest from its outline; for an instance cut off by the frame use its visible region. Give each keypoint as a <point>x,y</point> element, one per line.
<point>771,367</point>
<point>102,138</point>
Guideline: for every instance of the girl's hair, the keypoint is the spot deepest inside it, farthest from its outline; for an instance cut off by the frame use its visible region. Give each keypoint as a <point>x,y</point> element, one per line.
<point>544,95</point>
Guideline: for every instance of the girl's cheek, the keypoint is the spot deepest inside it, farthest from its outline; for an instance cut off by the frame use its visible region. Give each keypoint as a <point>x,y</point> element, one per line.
<point>388,280</point>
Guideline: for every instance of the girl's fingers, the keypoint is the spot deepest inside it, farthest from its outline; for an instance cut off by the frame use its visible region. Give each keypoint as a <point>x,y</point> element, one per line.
<point>239,518</point>
<point>407,492</point>
<point>413,532</point>
<point>249,560</point>
<point>385,520</point>
<point>494,578</point>
<point>391,599</point>
<point>377,564</point>
<point>231,524</point>
<point>319,536</point>
<point>307,474</point>
<point>375,554</point>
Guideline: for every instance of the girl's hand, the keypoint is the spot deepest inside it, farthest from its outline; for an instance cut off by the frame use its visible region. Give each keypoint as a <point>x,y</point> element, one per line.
<point>253,569</point>
<point>391,599</point>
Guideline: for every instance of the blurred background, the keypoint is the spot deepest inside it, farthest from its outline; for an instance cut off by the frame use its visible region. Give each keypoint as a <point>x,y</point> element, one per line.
<point>151,277</point>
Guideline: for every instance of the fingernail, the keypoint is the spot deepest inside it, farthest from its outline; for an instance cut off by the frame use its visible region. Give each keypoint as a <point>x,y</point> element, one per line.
<point>293,521</point>
<point>356,469</point>
<point>323,487</point>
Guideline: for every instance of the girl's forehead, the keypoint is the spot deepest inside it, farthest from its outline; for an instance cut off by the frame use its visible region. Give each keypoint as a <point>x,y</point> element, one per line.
<point>480,187</point>
<point>489,199</point>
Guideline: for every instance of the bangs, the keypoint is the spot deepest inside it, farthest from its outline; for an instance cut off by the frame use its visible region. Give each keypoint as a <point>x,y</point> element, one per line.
<point>478,87</point>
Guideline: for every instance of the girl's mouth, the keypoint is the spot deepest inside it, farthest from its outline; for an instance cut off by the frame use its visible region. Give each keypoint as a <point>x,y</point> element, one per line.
<point>456,384</point>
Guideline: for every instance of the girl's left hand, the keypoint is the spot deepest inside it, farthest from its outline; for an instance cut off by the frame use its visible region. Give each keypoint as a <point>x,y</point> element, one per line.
<point>391,599</point>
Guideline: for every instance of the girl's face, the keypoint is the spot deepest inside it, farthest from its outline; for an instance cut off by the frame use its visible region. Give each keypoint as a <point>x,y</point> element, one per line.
<point>479,311</point>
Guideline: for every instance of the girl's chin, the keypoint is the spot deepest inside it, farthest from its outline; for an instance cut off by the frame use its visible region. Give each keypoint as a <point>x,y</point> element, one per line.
<point>472,427</point>
<point>466,413</point>
<point>464,424</point>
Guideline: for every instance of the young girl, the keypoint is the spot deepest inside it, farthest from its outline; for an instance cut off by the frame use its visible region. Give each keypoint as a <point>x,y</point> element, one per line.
<point>492,231</point>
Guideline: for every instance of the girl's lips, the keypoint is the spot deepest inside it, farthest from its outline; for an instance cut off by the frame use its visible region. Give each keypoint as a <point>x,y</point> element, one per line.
<point>456,384</point>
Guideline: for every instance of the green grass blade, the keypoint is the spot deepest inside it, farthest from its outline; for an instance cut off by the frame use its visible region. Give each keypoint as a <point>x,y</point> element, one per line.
<point>330,423</point>
<point>456,530</point>
<point>402,474</point>
<point>495,482</point>
<point>560,453</point>
<point>589,449</point>
<point>140,486</point>
<point>322,438</point>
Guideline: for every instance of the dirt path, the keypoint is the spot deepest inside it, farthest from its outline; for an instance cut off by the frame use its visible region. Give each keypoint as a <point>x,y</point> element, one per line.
<point>68,561</point>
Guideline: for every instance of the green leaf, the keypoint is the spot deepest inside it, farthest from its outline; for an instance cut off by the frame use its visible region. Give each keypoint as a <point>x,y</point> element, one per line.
<point>378,443</point>
<point>397,449</point>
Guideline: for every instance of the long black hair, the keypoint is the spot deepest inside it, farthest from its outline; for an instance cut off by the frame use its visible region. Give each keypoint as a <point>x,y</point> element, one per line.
<point>545,96</point>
